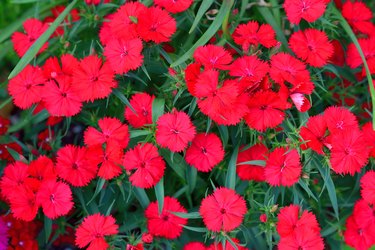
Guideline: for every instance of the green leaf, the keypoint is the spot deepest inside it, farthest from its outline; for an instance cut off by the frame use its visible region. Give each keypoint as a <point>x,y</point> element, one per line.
<point>16,156</point>
<point>123,99</point>
<point>325,173</point>
<point>192,215</point>
<point>99,187</point>
<point>157,109</point>
<point>33,50</point>
<point>354,39</point>
<point>141,196</point>
<point>23,1</point>
<point>4,103</point>
<point>254,162</point>
<point>230,181</point>
<point>202,9</point>
<point>159,193</point>
<point>223,130</point>
<point>191,177</point>
<point>270,19</point>
<point>47,228</point>
<point>175,161</point>
<point>210,32</point>
<point>305,187</point>
<point>196,229</point>
<point>137,133</point>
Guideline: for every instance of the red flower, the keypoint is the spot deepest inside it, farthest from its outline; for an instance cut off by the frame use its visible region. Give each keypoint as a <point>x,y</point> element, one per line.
<point>174,131</point>
<point>174,6</point>
<point>27,86</point>
<point>4,124</point>
<point>33,30</point>
<point>303,239</point>
<point>155,24</point>
<point>212,57</point>
<point>223,210</point>
<point>249,68</point>
<point>266,110</point>
<point>252,33</point>
<point>290,221</point>
<point>364,214</point>
<point>354,60</point>
<point>314,133</point>
<point>72,166</point>
<point>112,132</point>
<point>23,204</point>
<point>195,246</point>
<point>124,55</point>
<point>223,104</point>
<point>93,230</point>
<point>145,165</point>
<point>192,73</point>
<point>53,70</point>
<point>228,245</point>
<point>349,152</point>
<point>42,169</point>
<point>312,46</point>
<point>165,224</point>
<point>93,79</point>
<point>4,154</point>
<point>310,10</point>
<point>339,119</point>
<point>142,104</point>
<point>249,172</point>
<point>123,24</point>
<point>108,159</point>
<point>205,152</point>
<point>286,68</point>
<point>60,99</point>
<point>358,16</point>
<point>357,236</point>
<point>105,32</point>
<point>283,167</point>
<point>368,187</point>
<point>55,198</point>
<point>369,135</point>
<point>14,176</point>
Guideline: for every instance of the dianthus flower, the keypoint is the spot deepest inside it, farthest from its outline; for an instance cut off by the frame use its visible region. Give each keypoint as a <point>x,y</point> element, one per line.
<point>174,131</point>
<point>223,210</point>
<point>248,171</point>
<point>92,231</point>
<point>205,152</point>
<point>165,224</point>
<point>142,105</point>
<point>145,165</point>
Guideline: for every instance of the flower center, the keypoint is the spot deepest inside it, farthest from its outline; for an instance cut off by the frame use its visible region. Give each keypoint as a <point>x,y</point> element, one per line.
<point>52,198</point>
<point>223,211</point>
<point>175,131</point>
<point>204,151</point>
<point>165,217</point>
<point>340,124</point>
<point>75,165</point>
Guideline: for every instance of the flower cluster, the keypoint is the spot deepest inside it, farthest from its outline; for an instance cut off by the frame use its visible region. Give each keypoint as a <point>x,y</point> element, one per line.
<point>184,124</point>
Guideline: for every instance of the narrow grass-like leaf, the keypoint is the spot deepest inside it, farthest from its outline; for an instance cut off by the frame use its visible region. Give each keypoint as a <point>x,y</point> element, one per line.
<point>192,215</point>
<point>16,156</point>
<point>157,109</point>
<point>206,4</point>
<point>305,187</point>
<point>254,162</point>
<point>354,39</point>
<point>141,196</point>
<point>123,99</point>
<point>191,177</point>
<point>47,227</point>
<point>270,19</point>
<point>23,1</point>
<point>210,32</point>
<point>33,50</point>
<point>159,193</point>
<point>175,161</point>
<point>196,229</point>
<point>108,212</point>
<point>99,187</point>
<point>137,133</point>
<point>230,181</point>
<point>41,116</point>
<point>325,173</point>
<point>224,134</point>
